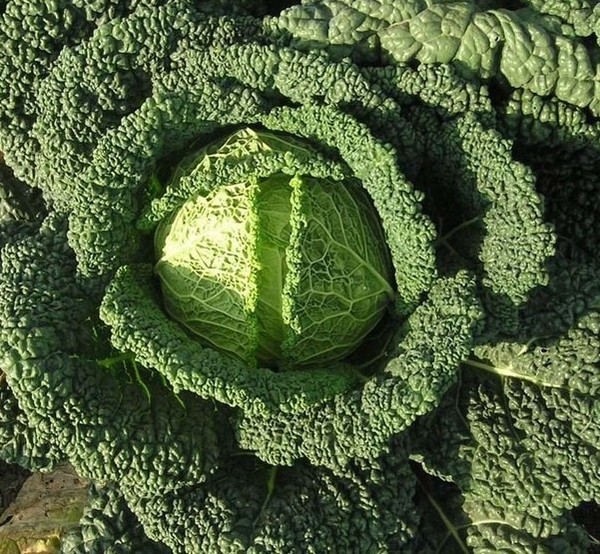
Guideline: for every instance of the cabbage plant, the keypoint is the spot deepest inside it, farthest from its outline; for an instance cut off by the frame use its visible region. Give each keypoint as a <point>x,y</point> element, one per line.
<point>286,270</point>
<point>470,422</point>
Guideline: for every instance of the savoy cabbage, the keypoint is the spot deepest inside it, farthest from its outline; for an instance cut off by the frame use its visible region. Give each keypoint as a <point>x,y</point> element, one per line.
<point>286,270</point>
<point>431,165</point>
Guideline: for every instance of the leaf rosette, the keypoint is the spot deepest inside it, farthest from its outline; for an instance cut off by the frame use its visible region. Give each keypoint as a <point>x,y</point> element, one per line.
<point>433,169</point>
<point>147,119</point>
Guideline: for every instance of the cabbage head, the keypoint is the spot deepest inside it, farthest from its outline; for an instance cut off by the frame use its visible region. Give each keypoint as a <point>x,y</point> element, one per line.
<point>285,271</point>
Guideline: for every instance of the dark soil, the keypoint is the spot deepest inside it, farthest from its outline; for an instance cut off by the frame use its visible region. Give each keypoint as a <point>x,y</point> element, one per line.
<point>12,478</point>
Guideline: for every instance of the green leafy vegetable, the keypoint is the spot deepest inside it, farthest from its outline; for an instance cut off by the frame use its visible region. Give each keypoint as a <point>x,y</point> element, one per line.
<point>289,271</point>
<point>178,168</point>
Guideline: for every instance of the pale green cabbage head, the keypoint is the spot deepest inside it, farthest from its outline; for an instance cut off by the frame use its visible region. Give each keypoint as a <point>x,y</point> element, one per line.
<point>284,271</point>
